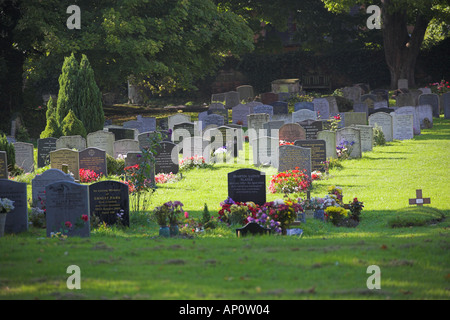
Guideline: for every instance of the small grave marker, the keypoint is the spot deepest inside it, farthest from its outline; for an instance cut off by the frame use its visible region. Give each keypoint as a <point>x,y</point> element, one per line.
<point>420,200</point>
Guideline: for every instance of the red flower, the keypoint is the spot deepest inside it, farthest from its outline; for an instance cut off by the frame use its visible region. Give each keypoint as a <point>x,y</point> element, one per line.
<point>68,224</point>
<point>85,217</point>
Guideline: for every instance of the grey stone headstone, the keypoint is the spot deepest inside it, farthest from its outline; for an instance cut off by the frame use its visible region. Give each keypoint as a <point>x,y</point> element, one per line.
<point>102,140</point>
<point>24,153</point>
<point>303,114</point>
<point>361,107</point>
<point>330,139</point>
<point>369,99</point>
<point>240,113</point>
<point>216,111</point>
<point>332,102</point>
<point>148,123</point>
<point>246,92</point>
<point>432,100</point>
<point>265,151</point>
<point>350,135</point>
<point>134,124</point>
<point>44,147</point>
<point>352,93</point>
<point>67,202</point>
<point>68,157</point>
<point>425,115</point>
<point>292,131</point>
<point>359,118</point>
<point>384,121</point>
<point>425,90</point>
<point>214,119</point>
<point>322,108</point>
<point>264,109</point>
<point>44,179</point>
<point>218,97</point>
<point>93,159</point>
<point>71,142</point>
<point>166,158</point>
<point>405,99</point>
<point>3,165</point>
<point>366,133</point>
<point>403,126</point>
<point>122,147</point>
<point>381,94</point>
<point>177,119</point>
<point>16,219</point>
<point>247,185</point>
<point>304,105</point>
<point>107,199</point>
<point>255,123</point>
<point>380,104</point>
<point>318,152</point>
<point>292,157</point>
<point>402,84</point>
<point>272,128</point>
<point>232,99</point>
<point>412,111</point>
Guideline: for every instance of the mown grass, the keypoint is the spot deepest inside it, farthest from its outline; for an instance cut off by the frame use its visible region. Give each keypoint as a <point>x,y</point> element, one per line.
<point>326,263</point>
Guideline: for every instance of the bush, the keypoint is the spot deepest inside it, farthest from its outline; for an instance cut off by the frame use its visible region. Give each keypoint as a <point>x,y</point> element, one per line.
<point>52,129</point>
<point>72,126</point>
<point>10,151</point>
<point>378,136</point>
<point>114,166</point>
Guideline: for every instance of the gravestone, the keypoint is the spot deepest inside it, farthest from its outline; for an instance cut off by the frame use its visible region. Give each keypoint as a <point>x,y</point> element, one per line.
<point>280,107</point>
<point>357,118</point>
<point>292,157</point>
<point>218,97</point>
<point>312,128</point>
<point>369,99</point>
<point>134,124</point>
<point>330,139</point>
<point>366,133</point>
<point>214,119</point>
<point>246,92</point>
<point>361,107</point>
<point>136,158</point>
<point>24,153</point>
<point>183,130</point>
<point>103,140</point>
<point>196,146</point>
<point>290,132</point>
<point>252,228</point>
<point>352,93</point>
<point>16,219</point>
<point>272,128</point>
<point>44,147</point>
<point>350,135</point>
<point>405,99</point>
<point>93,159</point>
<point>232,99</point>
<point>446,105</point>
<point>255,122</point>
<point>381,94</point>
<point>166,158</point>
<point>146,139</point>
<point>240,113</point>
<point>333,106</point>
<point>162,124</point>
<point>44,179</point>
<point>68,157</point>
<point>402,84</point>
<point>67,202</point>
<point>264,109</point>
<point>318,152</point>
<point>425,115</point>
<point>3,165</point>
<point>269,97</point>
<point>425,90</point>
<point>71,142</point>
<point>122,147</point>
<point>219,111</point>
<point>381,105</point>
<point>304,105</point>
<point>178,119</point>
<point>265,151</point>
<point>403,126</point>
<point>107,199</point>
<point>247,185</point>
<point>148,123</point>
<point>385,110</point>
<point>322,108</point>
<point>412,111</point>
<point>432,100</point>
<point>121,133</point>
<point>302,115</point>
<point>384,121</point>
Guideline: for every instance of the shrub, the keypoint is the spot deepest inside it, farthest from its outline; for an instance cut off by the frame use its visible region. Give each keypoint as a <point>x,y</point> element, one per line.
<point>72,126</point>
<point>114,166</point>
<point>52,129</point>
<point>10,151</point>
<point>378,136</point>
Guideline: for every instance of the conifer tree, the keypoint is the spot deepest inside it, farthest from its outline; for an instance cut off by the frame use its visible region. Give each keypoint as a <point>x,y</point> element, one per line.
<point>68,88</point>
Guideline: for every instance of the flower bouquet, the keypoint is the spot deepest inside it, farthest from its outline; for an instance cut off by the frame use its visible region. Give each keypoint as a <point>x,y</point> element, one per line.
<point>290,181</point>
<point>6,205</point>
<point>282,212</point>
<point>232,212</point>
<point>355,208</point>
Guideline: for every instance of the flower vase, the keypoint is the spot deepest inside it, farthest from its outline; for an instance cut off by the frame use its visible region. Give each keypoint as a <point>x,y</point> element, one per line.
<point>174,230</point>
<point>2,223</point>
<point>164,231</point>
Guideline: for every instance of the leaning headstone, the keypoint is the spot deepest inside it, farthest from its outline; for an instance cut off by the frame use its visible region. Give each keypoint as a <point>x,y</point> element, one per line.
<point>122,147</point>
<point>16,219</point>
<point>318,152</point>
<point>240,113</point>
<point>290,132</point>
<point>332,102</point>
<point>218,97</point>
<point>44,147</point>
<point>93,159</point>
<point>366,133</point>
<point>44,179</point>
<point>322,108</point>
<point>265,151</point>
<point>330,139</point>
<point>432,100</point>
<point>304,105</point>
<point>381,94</point>
<point>71,142</point>
<point>247,185</point>
<point>102,140</point>
<point>312,128</point>
<point>109,201</point>
<point>412,111</point>
<point>446,105</point>
<point>403,126</point>
<point>350,135</point>
<point>24,153</point>
<point>384,121</point>
<point>3,165</point>
<point>292,157</point>
<point>166,158</point>
<point>425,115</point>
<point>246,92</point>
<point>302,115</point>
<point>68,157</point>
<point>66,204</point>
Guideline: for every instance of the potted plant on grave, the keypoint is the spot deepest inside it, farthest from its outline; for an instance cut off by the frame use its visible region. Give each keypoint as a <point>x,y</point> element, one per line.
<point>175,209</point>
<point>356,207</point>
<point>6,205</point>
<point>161,215</point>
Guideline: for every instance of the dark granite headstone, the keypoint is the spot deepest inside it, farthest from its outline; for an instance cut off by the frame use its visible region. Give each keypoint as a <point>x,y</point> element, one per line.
<point>93,159</point>
<point>44,147</point>
<point>44,179</point>
<point>318,152</point>
<point>17,219</point>
<point>312,128</point>
<point>183,130</point>
<point>122,133</point>
<point>446,105</point>
<point>252,228</point>
<point>66,203</point>
<point>280,107</point>
<point>247,185</point>
<point>166,158</point>
<point>431,99</point>
<point>107,199</point>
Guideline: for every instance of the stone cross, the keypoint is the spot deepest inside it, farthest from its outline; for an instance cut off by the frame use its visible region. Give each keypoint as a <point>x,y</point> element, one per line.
<point>420,200</point>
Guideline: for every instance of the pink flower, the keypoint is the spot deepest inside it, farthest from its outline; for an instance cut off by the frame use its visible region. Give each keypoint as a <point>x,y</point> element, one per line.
<point>186,215</point>
<point>85,217</point>
<point>68,224</point>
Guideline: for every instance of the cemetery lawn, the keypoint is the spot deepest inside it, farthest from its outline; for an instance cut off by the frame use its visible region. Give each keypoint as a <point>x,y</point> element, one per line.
<point>410,244</point>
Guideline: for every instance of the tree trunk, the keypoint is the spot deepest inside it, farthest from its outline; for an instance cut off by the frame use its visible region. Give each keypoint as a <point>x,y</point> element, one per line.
<point>401,49</point>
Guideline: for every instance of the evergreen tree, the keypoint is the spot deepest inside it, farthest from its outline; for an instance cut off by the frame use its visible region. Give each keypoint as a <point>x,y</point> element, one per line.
<point>68,88</point>
<point>51,109</point>
<point>52,129</point>
<point>72,126</point>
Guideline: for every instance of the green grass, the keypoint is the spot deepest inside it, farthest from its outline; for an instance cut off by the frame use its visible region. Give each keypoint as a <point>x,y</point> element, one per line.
<point>326,263</point>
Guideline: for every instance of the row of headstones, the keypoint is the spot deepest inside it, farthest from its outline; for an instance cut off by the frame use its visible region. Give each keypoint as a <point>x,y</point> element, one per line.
<point>66,201</point>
